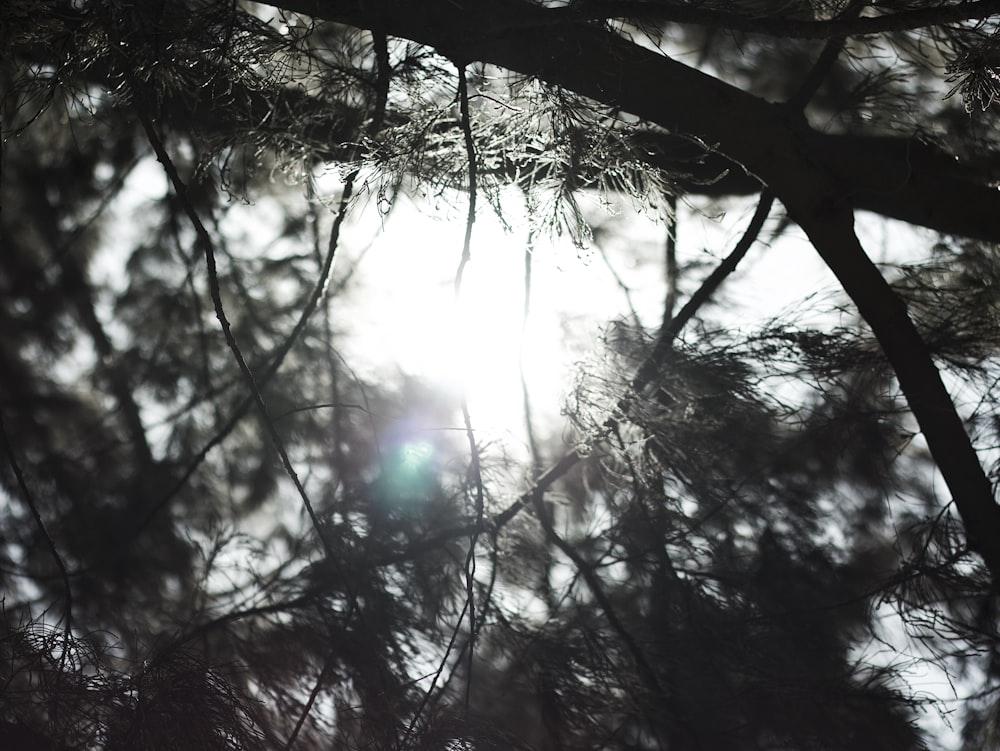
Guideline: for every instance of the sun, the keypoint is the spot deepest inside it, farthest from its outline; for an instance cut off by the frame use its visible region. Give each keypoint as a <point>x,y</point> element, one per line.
<point>476,345</point>
<point>479,345</point>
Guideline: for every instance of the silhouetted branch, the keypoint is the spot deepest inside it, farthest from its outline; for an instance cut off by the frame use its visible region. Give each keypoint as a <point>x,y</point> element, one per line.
<point>896,177</point>
<point>475,466</point>
<point>774,26</point>
<point>665,339</point>
<point>205,241</point>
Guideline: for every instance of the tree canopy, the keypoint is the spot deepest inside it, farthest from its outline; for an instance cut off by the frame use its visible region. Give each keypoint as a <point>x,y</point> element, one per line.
<point>226,525</point>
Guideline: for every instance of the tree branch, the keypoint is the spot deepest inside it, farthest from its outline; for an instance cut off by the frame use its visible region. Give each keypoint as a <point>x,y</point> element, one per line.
<point>668,333</point>
<point>896,176</point>
<point>832,234</point>
<point>769,143</point>
<point>205,241</point>
<point>773,26</point>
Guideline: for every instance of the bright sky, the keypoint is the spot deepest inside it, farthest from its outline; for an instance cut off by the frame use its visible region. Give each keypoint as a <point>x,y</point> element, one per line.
<point>474,342</point>
<point>411,317</point>
<point>403,312</point>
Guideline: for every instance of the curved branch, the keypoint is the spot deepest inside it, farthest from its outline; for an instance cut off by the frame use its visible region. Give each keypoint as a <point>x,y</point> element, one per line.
<point>207,246</point>
<point>896,176</point>
<point>832,234</point>
<point>668,333</point>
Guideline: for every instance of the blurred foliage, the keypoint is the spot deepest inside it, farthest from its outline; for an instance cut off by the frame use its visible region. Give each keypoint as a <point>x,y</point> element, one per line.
<point>751,554</point>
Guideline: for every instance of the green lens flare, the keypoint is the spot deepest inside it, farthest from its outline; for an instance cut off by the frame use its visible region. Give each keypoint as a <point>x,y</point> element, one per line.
<point>416,454</point>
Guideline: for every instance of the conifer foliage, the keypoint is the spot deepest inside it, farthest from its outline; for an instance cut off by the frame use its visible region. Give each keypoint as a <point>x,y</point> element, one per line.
<point>223,528</point>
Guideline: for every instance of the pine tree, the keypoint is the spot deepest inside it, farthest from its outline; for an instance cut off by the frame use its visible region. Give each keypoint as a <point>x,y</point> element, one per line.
<point>219,532</point>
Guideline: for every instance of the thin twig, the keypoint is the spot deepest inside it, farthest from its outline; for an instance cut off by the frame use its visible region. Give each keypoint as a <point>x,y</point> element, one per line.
<point>29,498</point>
<point>208,248</point>
<point>475,466</point>
<point>536,457</point>
<point>425,700</point>
<point>470,153</point>
<point>670,271</point>
<point>665,341</point>
<point>647,674</point>
<point>626,290</point>
<point>313,695</point>
<point>824,63</point>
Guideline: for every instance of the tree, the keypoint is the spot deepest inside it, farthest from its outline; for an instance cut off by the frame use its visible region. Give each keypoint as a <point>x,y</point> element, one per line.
<point>219,535</point>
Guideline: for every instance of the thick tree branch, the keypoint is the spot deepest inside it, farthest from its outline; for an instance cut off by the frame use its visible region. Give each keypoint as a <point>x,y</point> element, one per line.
<point>832,234</point>
<point>896,176</point>
<point>774,26</point>
<point>769,142</point>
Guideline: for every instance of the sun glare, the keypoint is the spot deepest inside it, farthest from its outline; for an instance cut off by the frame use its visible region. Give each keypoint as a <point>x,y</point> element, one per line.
<point>479,344</point>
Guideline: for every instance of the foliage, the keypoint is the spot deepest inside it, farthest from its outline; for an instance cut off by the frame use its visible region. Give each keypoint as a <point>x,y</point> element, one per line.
<point>224,529</point>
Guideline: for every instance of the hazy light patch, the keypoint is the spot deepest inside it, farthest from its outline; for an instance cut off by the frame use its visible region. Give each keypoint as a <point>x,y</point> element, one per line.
<point>467,345</point>
<point>413,456</point>
<point>410,474</point>
<point>477,344</point>
<point>405,315</point>
<point>144,186</point>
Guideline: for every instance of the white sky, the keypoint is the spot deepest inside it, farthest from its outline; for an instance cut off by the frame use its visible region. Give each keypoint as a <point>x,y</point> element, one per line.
<point>410,315</point>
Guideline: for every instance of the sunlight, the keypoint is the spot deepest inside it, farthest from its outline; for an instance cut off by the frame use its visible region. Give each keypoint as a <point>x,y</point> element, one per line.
<point>472,346</point>
<point>476,346</point>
